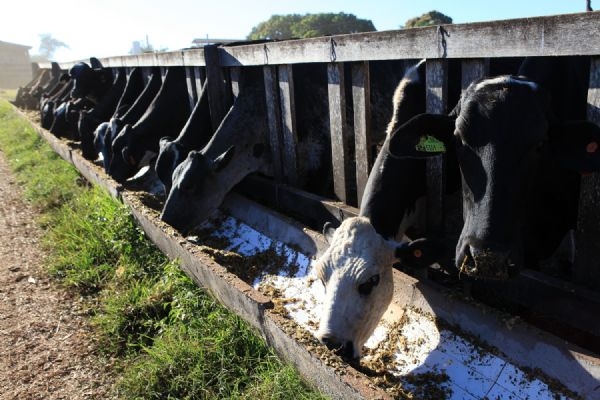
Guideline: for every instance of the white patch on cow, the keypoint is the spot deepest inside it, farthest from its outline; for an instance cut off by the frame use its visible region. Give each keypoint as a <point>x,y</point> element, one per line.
<point>411,75</point>
<point>505,80</point>
<point>356,254</point>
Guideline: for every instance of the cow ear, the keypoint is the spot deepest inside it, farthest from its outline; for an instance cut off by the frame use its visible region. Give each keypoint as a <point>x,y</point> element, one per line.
<point>95,63</point>
<point>221,162</point>
<point>424,135</point>
<point>328,231</point>
<point>419,253</point>
<point>576,144</point>
<point>128,157</point>
<point>163,142</point>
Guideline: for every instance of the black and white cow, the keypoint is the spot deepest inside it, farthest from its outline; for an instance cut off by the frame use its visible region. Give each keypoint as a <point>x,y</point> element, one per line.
<point>25,97</point>
<point>521,143</point>
<point>51,99</point>
<point>90,81</point>
<point>99,113</point>
<point>356,268</point>
<point>165,116</point>
<point>134,103</point>
<point>195,134</point>
<point>237,148</point>
<point>240,146</point>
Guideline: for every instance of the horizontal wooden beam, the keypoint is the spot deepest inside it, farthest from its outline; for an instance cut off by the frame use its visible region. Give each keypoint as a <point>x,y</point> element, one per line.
<point>567,34</point>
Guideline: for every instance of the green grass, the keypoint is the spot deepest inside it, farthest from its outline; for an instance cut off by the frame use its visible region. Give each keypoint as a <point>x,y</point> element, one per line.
<point>8,94</point>
<point>172,339</point>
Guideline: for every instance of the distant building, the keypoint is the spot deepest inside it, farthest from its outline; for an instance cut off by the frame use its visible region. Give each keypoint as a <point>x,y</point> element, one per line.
<point>15,65</point>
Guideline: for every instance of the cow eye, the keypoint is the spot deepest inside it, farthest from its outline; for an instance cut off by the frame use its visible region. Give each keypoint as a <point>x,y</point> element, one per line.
<point>367,287</point>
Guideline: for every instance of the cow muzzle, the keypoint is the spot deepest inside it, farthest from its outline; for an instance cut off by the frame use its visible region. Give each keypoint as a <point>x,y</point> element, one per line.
<point>344,349</point>
<point>486,263</point>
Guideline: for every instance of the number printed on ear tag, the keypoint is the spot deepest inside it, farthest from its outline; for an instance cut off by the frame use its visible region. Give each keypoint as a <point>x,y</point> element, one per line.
<point>429,144</point>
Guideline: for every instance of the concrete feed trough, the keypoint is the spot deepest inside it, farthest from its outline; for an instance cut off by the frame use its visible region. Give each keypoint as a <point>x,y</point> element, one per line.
<point>430,343</point>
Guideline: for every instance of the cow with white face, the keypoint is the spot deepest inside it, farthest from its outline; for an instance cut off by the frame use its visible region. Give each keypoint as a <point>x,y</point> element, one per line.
<point>356,271</point>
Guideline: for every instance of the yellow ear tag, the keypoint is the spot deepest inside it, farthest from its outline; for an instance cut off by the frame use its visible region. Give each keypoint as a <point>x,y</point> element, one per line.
<point>429,144</point>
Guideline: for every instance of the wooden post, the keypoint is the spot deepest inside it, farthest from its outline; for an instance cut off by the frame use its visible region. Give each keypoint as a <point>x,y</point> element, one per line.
<point>219,89</point>
<point>436,102</point>
<point>586,270</point>
<point>288,124</point>
<point>274,118</point>
<point>340,146</point>
<point>473,69</point>
<point>199,77</point>
<point>234,76</point>
<point>361,95</point>
<point>191,87</point>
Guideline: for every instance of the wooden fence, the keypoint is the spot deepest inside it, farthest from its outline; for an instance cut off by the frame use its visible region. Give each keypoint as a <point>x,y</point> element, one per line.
<point>352,64</point>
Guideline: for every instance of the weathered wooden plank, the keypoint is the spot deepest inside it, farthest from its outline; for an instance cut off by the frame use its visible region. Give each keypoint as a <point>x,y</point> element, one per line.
<point>274,118</point>
<point>194,57</point>
<point>361,94</point>
<point>191,87</point>
<point>340,146</point>
<point>219,89</point>
<point>288,124</point>
<point>200,78</point>
<point>570,34</point>
<point>234,76</point>
<point>473,69</point>
<point>307,208</point>
<point>436,99</point>
<point>587,260</point>
<point>146,73</point>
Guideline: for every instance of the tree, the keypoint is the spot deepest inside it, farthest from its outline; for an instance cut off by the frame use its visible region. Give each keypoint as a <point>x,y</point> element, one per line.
<point>431,18</point>
<point>48,46</point>
<point>309,25</point>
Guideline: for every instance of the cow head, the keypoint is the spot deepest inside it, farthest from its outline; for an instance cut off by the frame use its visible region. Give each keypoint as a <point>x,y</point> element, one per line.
<point>356,271</point>
<point>128,155</point>
<point>503,137</point>
<point>199,186</point>
<point>170,155</point>
<point>90,82</point>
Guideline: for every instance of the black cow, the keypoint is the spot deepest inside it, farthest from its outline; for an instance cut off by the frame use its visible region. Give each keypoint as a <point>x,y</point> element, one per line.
<point>165,116</point>
<point>91,82</point>
<point>240,146</point>
<point>194,135</point>
<point>101,112</point>
<point>520,146</point>
<point>25,94</point>
<point>59,93</point>
<point>137,98</point>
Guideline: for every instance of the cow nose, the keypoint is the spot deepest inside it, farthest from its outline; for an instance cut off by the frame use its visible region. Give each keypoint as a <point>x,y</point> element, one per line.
<point>485,262</point>
<point>342,349</point>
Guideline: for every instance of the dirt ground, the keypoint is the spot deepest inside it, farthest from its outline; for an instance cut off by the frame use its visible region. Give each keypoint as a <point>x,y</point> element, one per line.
<point>47,348</point>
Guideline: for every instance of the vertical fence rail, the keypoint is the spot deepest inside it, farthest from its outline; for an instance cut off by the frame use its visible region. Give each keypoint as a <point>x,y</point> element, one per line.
<point>199,78</point>
<point>361,95</point>
<point>340,152</point>
<point>219,89</point>
<point>288,123</point>
<point>587,258</point>
<point>436,99</point>
<point>191,87</point>
<point>473,69</point>
<point>273,118</point>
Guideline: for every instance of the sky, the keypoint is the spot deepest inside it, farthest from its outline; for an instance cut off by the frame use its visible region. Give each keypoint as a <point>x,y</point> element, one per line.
<point>104,28</point>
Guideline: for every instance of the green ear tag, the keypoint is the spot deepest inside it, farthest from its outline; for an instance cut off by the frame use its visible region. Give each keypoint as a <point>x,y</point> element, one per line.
<point>429,144</point>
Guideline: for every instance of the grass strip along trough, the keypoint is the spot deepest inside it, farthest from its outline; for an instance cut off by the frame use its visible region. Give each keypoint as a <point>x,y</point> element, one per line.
<point>430,344</point>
